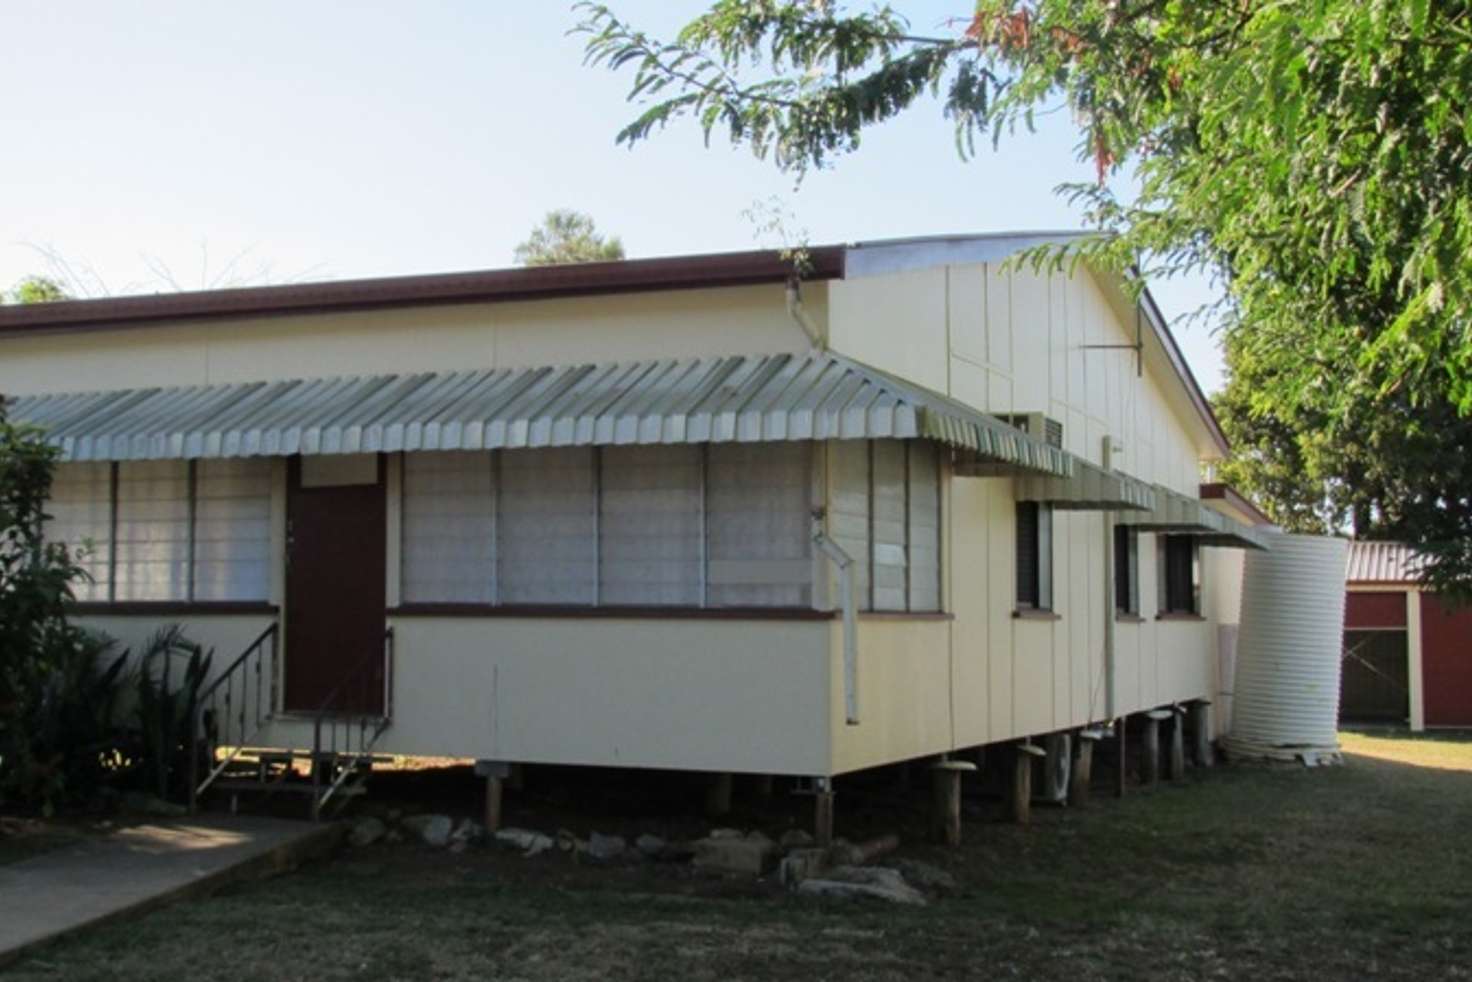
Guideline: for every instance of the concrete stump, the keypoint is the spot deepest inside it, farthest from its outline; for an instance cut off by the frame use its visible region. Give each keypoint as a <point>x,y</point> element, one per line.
<point>1199,715</point>
<point>1123,762</point>
<point>1150,747</point>
<point>1019,803</point>
<point>718,796</point>
<point>493,804</point>
<point>823,817</point>
<point>1177,769</point>
<point>945,779</point>
<point>1083,768</point>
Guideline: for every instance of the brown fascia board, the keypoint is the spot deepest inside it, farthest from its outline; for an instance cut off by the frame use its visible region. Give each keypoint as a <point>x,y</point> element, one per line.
<point>1233,497</point>
<point>489,286</point>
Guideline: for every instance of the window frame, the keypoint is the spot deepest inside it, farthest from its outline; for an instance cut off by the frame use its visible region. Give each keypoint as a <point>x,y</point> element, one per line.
<point>1126,571</point>
<point>1034,549</point>
<point>1169,552</point>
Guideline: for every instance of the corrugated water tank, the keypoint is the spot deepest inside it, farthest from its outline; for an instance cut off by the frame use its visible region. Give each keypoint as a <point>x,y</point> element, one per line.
<point>1286,691</point>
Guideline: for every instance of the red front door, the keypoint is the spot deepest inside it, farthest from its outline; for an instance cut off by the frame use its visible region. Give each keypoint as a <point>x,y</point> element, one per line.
<point>336,545</point>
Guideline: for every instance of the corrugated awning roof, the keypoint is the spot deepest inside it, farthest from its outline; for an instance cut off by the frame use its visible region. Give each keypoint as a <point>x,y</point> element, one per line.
<point>1090,489</point>
<point>816,396</point>
<point>1178,513</point>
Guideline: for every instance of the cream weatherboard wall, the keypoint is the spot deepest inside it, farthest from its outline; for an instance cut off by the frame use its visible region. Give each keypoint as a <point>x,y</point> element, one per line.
<point>618,328</point>
<point>1017,342</point>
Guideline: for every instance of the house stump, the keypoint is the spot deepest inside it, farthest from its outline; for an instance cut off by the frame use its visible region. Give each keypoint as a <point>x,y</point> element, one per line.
<point>945,779</point>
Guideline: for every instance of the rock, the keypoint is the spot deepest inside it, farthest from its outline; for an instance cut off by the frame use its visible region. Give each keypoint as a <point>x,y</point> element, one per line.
<point>650,845</point>
<point>458,846</point>
<point>926,876</point>
<point>795,839</point>
<point>605,848</point>
<point>529,842</point>
<point>366,831</point>
<point>801,864</point>
<point>394,835</point>
<point>735,855</point>
<point>863,882</point>
<point>468,831</point>
<point>433,830</point>
<point>568,842</point>
<point>147,804</point>
<point>726,834</point>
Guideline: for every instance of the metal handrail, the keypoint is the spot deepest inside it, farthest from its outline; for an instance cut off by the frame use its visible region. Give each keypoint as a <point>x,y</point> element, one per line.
<point>205,724</point>
<point>368,726</point>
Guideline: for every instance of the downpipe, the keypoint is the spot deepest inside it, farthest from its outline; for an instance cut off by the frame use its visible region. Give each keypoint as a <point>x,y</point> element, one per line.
<point>799,313</point>
<point>845,563</point>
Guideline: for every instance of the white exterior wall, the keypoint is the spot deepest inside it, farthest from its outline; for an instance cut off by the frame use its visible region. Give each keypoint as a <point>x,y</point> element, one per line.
<point>1014,342</point>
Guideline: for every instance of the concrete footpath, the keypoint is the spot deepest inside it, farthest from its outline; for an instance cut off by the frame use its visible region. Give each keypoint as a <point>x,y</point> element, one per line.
<point>135,869</point>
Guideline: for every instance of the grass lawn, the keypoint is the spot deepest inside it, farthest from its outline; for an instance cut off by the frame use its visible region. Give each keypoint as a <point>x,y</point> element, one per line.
<point>1353,872</point>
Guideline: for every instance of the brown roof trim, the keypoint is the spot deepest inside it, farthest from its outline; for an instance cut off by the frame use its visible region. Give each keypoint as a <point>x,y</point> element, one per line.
<point>527,283</point>
<point>1233,497</point>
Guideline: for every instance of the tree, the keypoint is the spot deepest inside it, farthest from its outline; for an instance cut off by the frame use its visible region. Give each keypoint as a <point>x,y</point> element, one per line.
<point>37,289</point>
<point>1314,154</point>
<point>567,236</point>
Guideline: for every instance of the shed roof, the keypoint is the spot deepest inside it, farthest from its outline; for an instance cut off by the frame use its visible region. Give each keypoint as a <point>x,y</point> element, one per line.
<point>1381,562</point>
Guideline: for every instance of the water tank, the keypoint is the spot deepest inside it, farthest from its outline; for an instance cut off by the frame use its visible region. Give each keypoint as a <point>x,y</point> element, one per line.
<point>1285,703</point>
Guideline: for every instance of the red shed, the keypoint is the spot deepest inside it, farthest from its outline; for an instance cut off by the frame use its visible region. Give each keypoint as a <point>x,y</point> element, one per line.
<point>1407,652</point>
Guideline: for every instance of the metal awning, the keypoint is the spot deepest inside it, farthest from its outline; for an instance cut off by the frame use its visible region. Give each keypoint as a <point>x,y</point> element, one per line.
<point>815,396</point>
<point>1091,488</point>
<point>1181,514</point>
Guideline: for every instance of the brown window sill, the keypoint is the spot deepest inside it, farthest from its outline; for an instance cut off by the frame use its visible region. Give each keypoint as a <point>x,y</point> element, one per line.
<point>625,613</point>
<point>1125,618</point>
<point>905,615</point>
<point>170,608</point>
<point>1032,614</point>
<point>1178,615</point>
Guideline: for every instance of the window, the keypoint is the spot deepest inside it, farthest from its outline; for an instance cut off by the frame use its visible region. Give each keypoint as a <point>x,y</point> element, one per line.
<point>1126,570</point>
<point>167,529</point>
<point>678,526</point>
<point>885,512</point>
<point>81,519</point>
<point>649,526</point>
<point>1180,574</point>
<point>1034,556</point>
<point>547,507</point>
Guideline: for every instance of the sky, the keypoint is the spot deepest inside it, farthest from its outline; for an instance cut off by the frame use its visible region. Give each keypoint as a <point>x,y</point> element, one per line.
<point>184,144</point>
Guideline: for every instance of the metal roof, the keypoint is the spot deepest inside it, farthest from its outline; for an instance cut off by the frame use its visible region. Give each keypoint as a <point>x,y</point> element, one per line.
<point>814,396</point>
<point>1179,513</point>
<point>1091,488</point>
<point>1381,562</point>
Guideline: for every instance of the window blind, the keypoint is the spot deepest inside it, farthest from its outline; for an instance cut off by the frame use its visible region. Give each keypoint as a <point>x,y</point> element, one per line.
<point>547,527</point>
<point>650,526</point>
<point>80,507</point>
<point>151,545</point>
<point>1126,570</point>
<point>889,519</point>
<point>449,528</point>
<point>758,500</point>
<point>232,529</point>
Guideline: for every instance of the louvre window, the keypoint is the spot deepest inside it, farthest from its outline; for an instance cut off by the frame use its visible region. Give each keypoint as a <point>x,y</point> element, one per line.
<point>1034,556</point>
<point>1180,574</point>
<point>676,526</point>
<point>1126,570</point>
<point>166,530</point>
<point>885,512</point>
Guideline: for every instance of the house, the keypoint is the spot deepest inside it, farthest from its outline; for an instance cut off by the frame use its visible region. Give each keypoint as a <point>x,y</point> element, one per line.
<point>683,513</point>
<point>1407,650</point>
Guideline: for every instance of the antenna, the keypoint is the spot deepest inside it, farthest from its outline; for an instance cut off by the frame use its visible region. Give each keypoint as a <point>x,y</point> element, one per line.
<point>1138,347</point>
